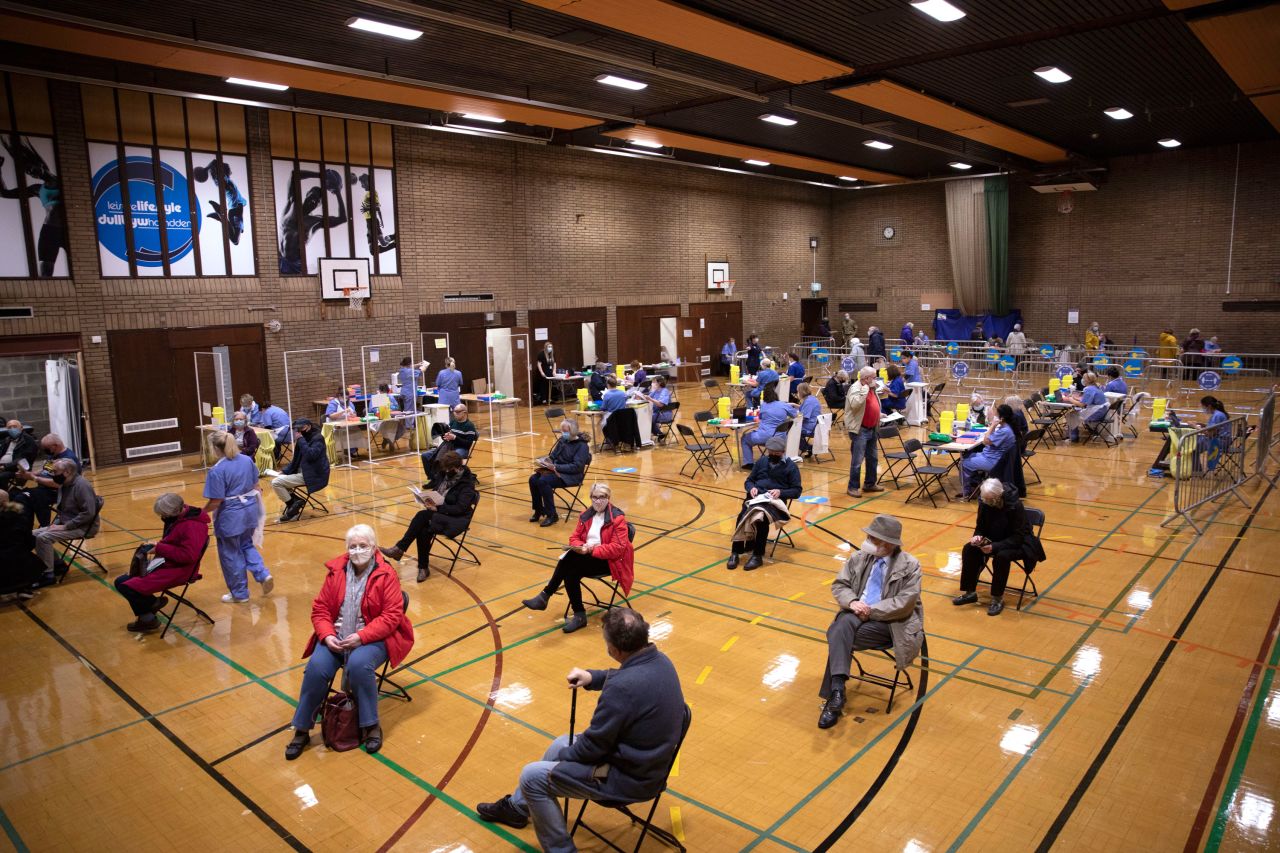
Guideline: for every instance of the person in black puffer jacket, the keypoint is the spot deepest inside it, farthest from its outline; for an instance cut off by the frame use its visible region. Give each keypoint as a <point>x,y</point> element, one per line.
<point>1002,533</point>
<point>450,518</point>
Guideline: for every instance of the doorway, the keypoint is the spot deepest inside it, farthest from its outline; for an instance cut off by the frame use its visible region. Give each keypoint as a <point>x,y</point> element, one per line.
<point>812,313</point>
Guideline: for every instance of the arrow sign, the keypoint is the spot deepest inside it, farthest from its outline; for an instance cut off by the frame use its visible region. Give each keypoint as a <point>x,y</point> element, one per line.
<point>1232,364</point>
<point>953,349</point>
<point>1007,363</point>
<point>1046,351</point>
<point>624,470</point>
<point>1210,380</point>
<point>1133,367</point>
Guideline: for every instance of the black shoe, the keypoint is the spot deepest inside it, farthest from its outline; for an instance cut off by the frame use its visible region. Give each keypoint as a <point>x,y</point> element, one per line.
<point>733,560</point>
<point>965,598</point>
<point>424,572</point>
<point>755,562</point>
<point>503,812</point>
<point>60,570</point>
<point>295,747</point>
<point>538,602</point>
<point>548,521</point>
<point>160,602</point>
<point>997,604</point>
<point>139,626</point>
<point>373,739</point>
<point>535,517</point>
<point>576,622</point>
<point>832,709</point>
<point>293,509</point>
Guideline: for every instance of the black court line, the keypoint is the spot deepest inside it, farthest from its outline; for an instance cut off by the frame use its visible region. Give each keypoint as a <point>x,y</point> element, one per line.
<point>1073,802</point>
<point>251,744</point>
<point>243,798</point>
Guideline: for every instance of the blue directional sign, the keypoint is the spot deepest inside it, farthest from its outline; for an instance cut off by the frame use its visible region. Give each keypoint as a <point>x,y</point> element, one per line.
<point>624,470</point>
<point>847,364</point>
<point>895,354</point>
<point>1046,351</point>
<point>1133,367</point>
<point>822,355</point>
<point>960,369</point>
<point>1232,364</point>
<point>1063,370</point>
<point>993,354</point>
<point>812,499</point>
<point>1137,352</point>
<point>1100,360</point>
<point>1007,363</point>
<point>1210,380</point>
<point>953,349</point>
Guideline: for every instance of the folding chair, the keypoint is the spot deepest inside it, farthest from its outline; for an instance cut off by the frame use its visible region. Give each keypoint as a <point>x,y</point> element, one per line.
<point>660,435</point>
<point>782,532</point>
<point>1105,428</point>
<point>181,600</point>
<point>456,546</point>
<point>719,441</point>
<point>895,459</point>
<point>699,453</point>
<point>933,400</point>
<point>554,417</point>
<point>1052,425</point>
<point>397,691</point>
<point>311,501</point>
<point>927,476</point>
<point>1036,518</point>
<point>880,680</point>
<point>75,548</point>
<point>569,502</point>
<point>608,582</point>
<point>1036,435</point>
<point>714,391</point>
<point>646,822</point>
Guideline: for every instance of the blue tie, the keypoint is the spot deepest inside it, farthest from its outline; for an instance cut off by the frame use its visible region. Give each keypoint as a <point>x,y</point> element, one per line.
<point>875,584</point>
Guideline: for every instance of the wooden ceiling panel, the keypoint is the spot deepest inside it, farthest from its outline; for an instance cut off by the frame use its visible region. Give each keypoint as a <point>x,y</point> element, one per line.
<point>707,145</point>
<point>695,32</point>
<point>898,100</point>
<point>1247,46</point>
<point>1269,106</point>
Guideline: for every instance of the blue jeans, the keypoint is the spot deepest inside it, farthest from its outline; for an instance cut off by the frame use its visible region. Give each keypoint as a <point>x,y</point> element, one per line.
<point>863,445</point>
<point>536,794</point>
<point>362,675</point>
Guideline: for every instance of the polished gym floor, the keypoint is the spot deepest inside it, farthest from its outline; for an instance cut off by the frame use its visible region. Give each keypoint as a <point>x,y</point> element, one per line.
<point>1132,705</point>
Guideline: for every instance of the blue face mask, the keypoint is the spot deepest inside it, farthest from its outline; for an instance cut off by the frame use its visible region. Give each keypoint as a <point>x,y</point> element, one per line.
<point>14,432</point>
<point>564,436</point>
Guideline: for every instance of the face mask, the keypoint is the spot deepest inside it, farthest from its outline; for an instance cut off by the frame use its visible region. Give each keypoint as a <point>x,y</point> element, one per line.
<point>59,478</point>
<point>359,554</point>
<point>775,460</point>
<point>14,432</point>
<point>239,424</point>
<point>868,548</point>
<point>600,504</point>
<point>564,436</point>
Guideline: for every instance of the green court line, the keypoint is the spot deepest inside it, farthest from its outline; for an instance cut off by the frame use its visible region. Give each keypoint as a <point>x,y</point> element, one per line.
<point>768,834</point>
<point>11,832</point>
<point>1242,755</point>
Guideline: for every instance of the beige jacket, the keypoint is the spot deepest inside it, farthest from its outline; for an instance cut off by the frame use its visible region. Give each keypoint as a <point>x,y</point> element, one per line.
<point>855,404</point>
<point>900,607</point>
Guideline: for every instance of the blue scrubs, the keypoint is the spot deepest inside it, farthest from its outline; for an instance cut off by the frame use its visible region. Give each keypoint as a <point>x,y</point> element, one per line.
<point>253,412</point>
<point>763,378</point>
<point>613,400</point>
<point>898,401</point>
<point>408,377</point>
<point>771,417</point>
<point>810,408</point>
<point>449,386</point>
<point>795,370</point>
<point>235,482</point>
<point>988,458</point>
<point>1116,386</point>
<point>912,372</point>
<point>661,415</point>
<point>277,420</point>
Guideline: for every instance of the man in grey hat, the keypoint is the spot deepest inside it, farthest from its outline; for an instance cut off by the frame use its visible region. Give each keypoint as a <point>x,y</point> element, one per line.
<point>777,476</point>
<point>878,591</point>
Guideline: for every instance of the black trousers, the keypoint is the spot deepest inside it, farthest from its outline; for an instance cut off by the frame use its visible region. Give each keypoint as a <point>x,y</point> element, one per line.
<point>42,503</point>
<point>758,543</point>
<point>570,571</point>
<point>423,529</point>
<point>542,492</point>
<point>971,562</point>
<point>140,602</point>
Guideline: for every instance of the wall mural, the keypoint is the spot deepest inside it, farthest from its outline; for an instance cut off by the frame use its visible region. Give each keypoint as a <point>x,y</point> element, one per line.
<point>32,215</point>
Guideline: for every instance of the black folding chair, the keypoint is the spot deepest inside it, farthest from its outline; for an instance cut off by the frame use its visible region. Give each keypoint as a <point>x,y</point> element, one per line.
<point>554,418</point>
<point>700,453</point>
<point>661,435</point>
<point>646,822</point>
<point>181,599</point>
<point>1105,428</point>
<point>714,391</point>
<point>933,400</point>
<point>567,502</point>
<point>719,441</point>
<point>1036,518</point>
<point>397,691</point>
<point>311,501</point>
<point>896,460</point>
<point>880,680</point>
<point>782,533</point>
<point>608,582</point>
<point>75,548</point>
<point>927,476</point>
<point>456,546</point>
<point>1028,450</point>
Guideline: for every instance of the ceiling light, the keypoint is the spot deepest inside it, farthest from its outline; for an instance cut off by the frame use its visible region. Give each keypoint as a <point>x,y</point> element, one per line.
<point>756,162</point>
<point>777,119</point>
<point>393,30</point>
<point>940,9</point>
<point>241,81</point>
<point>877,144</point>
<point>1052,74</point>
<point>1170,142</point>
<point>484,118</point>
<point>1118,113</point>
<point>621,82</point>
<point>847,178</point>
<point>959,165</point>
<point>644,143</point>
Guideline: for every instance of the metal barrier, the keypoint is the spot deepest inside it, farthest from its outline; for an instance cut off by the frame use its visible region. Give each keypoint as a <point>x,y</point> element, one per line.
<point>1207,464</point>
<point>1268,442</point>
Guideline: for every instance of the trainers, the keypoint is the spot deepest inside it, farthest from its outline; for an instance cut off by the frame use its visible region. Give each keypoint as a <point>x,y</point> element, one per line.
<point>231,599</point>
<point>854,493</point>
<point>503,811</point>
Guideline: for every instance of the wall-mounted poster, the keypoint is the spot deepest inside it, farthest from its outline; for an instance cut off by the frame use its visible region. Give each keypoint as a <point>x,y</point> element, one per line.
<point>170,183</point>
<point>32,219</point>
<point>334,192</point>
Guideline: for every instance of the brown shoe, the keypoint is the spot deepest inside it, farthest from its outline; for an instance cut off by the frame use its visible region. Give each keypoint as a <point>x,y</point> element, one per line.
<point>138,626</point>
<point>854,493</point>
<point>873,488</point>
<point>392,553</point>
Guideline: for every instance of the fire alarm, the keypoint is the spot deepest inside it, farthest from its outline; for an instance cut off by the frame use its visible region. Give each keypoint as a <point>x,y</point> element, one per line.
<point>273,325</point>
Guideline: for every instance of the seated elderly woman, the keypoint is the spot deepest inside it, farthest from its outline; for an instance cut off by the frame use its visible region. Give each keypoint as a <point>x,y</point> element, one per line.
<point>1000,438</point>
<point>358,623</point>
<point>447,506</point>
<point>247,440</point>
<point>19,568</point>
<point>186,534</point>
<point>1002,534</point>
<point>600,545</point>
<point>563,467</point>
<point>777,477</point>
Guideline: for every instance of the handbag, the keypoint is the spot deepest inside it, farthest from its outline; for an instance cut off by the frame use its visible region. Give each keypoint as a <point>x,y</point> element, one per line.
<point>340,722</point>
<point>143,563</point>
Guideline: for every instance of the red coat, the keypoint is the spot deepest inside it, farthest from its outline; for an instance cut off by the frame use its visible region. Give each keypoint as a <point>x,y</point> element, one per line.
<point>382,608</point>
<point>615,545</point>
<point>181,548</point>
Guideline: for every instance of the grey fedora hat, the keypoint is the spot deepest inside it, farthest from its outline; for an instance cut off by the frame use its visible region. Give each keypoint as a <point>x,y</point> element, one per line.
<point>886,528</point>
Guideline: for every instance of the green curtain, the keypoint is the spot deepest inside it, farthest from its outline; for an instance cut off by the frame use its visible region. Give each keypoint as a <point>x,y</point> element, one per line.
<point>997,198</point>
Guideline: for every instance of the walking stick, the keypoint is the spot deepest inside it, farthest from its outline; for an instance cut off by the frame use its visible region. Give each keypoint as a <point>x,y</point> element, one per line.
<point>573,719</point>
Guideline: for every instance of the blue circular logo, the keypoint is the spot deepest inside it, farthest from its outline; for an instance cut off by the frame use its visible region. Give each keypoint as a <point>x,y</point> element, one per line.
<point>624,470</point>
<point>847,364</point>
<point>960,369</point>
<point>993,354</point>
<point>1046,351</point>
<point>1007,363</point>
<point>895,354</point>
<point>821,355</point>
<point>138,175</point>
<point>812,499</point>
<point>1232,364</point>
<point>1063,370</point>
<point>953,349</point>
<point>1133,367</point>
<point>1210,380</point>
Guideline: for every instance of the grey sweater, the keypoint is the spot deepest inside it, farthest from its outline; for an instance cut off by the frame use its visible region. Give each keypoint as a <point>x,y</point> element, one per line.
<point>77,503</point>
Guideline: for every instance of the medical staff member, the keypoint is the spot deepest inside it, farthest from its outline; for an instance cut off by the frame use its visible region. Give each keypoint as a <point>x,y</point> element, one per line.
<point>795,367</point>
<point>911,368</point>
<point>660,396</point>
<point>810,408</point>
<point>998,440</point>
<point>276,419</point>
<point>772,413</point>
<point>1116,385</point>
<point>728,353</point>
<point>896,399</point>
<point>1090,406</point>
<point>408,377</point>
<point>449,384</point>
<point>235,502</point>
<point>764,376</point>
<point>340,410</point>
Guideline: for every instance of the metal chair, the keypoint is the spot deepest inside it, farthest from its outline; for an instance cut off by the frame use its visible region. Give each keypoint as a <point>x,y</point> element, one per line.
<point>933,400</point>
<point>1035,435</point>
<point>181,600</point>
<point>699,453</point>
<point>554,417</point>
<point>660,435</point>
<point>895,460</point>
<point>75,548</point>
<point>714,391</point>
<point>880,680</point>
<point>1105,428</point>
<point>719,441</point>
<point>397,691</point>
<point>927,476</point>
<point>456,546</point>
<point>570,502</point>
<point>1036,519</point>
<point>782,532</point>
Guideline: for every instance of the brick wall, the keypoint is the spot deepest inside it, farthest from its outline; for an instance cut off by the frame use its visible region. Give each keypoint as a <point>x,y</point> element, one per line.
<point>24,393</point>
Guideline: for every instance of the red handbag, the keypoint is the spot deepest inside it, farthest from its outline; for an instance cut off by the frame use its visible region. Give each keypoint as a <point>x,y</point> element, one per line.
<point>340,722</point>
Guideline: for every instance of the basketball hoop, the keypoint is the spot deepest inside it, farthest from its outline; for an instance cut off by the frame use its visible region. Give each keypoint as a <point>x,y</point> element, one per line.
<point>727,286</point>
<point>354,299</point>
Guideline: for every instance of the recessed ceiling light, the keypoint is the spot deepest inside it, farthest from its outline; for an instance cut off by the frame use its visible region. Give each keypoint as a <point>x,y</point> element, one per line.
<point>847,178</point>
<point>644,143</point>
<point>756,162</point>
<point>393,30</point>
<point>777,119</point>
<point>241,81</point>
<point>1170,142</point>
<point>621,82</point>
<point>1118,113</point>
<point>1052,74</point>
<point>484,118</point>
<point>940,9</point>
<point>959,165</point>
<point>876,143</point>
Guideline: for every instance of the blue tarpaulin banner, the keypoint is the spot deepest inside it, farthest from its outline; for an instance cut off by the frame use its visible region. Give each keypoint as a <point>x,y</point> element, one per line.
<point>950,324</point>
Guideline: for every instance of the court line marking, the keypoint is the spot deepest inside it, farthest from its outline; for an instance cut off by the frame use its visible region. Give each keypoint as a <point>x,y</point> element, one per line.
<point>729,643</point>
<point>11,832</point>
<point>702,676</point>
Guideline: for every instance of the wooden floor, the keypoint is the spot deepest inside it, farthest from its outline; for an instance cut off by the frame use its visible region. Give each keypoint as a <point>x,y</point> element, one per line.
<point>1131,706</point>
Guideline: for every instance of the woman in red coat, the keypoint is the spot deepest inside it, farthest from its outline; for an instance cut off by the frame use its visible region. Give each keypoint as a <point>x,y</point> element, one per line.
<point>359,623</point>
<point>600,545</point>
<point>186,533</point>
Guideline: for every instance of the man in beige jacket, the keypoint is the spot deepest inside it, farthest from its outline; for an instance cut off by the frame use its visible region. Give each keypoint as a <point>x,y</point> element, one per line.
<point>878,591</point>
<point>861,417</point>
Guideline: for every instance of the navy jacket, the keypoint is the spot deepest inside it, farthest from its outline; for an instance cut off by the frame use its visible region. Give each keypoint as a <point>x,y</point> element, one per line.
<point>311,457</point>
<point>596,386</point>
<point>571,459</point>
<point>635,729</point>
<point>785,477</point>
<point>876,346</point>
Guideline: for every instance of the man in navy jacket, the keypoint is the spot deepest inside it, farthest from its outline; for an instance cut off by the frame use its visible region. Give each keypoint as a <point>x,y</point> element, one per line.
<point>626,752</point>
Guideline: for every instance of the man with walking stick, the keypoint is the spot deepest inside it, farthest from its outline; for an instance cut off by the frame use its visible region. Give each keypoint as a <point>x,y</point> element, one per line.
<point>625,753</point>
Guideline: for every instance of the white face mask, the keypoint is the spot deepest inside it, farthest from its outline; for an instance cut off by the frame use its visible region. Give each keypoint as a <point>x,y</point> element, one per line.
<point>869,548</point>
<point>600,504</point>
<point>359,554</point>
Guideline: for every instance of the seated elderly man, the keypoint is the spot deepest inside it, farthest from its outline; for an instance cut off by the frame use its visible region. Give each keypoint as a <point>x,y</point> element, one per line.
<point>773,479</point>
<point>40,484</point>
<point>1002,534</point>
<point>77,517</point>
<point>626,751</point>
<point>878,592</point>
<point>17,452</point>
